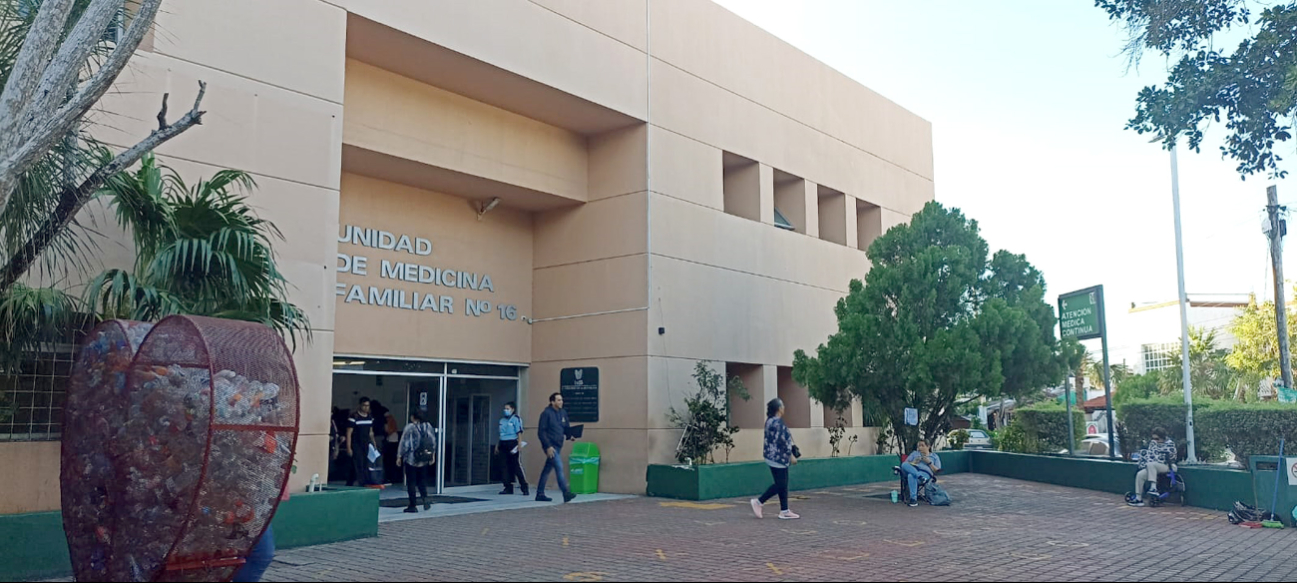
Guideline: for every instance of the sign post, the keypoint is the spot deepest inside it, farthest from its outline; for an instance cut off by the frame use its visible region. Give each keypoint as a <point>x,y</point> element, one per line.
<point>1081,317</point>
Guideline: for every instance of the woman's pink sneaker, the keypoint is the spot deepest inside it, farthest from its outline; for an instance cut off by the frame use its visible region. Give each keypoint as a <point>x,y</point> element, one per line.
<point>756,508</point>
<point>788,515</point>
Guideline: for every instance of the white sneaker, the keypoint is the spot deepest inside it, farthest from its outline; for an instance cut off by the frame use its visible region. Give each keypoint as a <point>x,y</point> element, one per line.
<point>756,508</point>
<point>788,515</point>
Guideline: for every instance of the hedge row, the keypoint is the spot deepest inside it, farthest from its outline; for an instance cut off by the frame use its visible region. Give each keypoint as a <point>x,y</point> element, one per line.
<point>1246,429</point>
<point>1137,419</point>
<point>1041,429</point>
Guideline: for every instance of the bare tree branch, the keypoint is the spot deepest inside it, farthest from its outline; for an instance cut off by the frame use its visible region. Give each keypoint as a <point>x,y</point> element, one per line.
<point>40,130</point>
<point>73,199</point>
<point>63,71</point>
<point>34,57</point>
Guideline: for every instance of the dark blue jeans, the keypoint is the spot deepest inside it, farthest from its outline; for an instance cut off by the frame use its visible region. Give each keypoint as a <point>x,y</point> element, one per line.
<point>258,560</point>
<point>554,465</point>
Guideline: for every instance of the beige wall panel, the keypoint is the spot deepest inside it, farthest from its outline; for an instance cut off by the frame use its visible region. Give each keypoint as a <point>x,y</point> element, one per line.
<point>624,20</point>
<point>499,246</point>
<point>307,39</point>
<point>402,117</point>
<point>813,442</point>
<point>670,381</point>
<point>314,362</point>
<point>621,469</point>
<point>623,391</point>
<point>312,458</point>
<point>692,233</point>
<point>602,229</point>
<point>592,287</point>
<point>606,336</point>
<point>687,169</point>
<point>617,162</point>
<point>729,316</point>
<point>688,105</point>
<point>249,126</point>
<point>507,34</point>
<point>704,39</point>
<point>31,481</point>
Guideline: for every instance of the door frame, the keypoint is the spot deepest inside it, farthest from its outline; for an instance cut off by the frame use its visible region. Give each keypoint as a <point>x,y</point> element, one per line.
<point>441,380</point>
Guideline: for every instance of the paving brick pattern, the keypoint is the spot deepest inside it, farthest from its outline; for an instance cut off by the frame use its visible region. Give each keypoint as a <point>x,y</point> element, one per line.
<point>997,530</point>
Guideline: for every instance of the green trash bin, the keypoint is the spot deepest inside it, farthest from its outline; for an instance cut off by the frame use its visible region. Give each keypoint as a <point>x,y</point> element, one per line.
<point>583,468</point>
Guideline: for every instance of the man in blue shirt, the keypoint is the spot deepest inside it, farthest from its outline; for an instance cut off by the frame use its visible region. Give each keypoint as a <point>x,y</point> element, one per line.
<point>510,447</point>
<point>552,432</point>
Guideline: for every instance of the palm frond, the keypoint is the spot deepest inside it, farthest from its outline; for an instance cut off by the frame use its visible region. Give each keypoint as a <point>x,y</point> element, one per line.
<point>30,317</point>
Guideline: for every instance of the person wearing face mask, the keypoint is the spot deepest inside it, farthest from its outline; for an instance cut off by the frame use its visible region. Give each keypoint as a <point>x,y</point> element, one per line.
<point>510,448</point>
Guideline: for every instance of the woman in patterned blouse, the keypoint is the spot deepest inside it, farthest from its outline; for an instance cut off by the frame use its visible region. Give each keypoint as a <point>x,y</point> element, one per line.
<point>1155,460</point>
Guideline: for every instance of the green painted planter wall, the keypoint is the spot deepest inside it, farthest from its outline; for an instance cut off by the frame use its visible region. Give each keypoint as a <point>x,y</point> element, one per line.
<point>711,482</point>
<point>1210,487</point>
<point>32,546</point>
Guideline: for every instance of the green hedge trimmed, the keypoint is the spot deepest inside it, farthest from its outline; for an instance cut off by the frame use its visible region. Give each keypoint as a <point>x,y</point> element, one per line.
<point>1247,429</point>
<point>1042,429</point>
<point>1138,419</point>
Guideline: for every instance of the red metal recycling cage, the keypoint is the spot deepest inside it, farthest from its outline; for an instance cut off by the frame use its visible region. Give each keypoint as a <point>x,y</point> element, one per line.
<point>178,441</point>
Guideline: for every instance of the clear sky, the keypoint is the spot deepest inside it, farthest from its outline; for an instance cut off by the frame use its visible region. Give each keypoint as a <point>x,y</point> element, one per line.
<point>1028,100</point>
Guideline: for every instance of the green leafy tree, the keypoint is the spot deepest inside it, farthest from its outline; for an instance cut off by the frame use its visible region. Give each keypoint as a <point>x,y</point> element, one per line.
<point>1251,86</point>
<point>200,250</point>
<point>1137,388</point>
<point>1256,341</point>
<point>1209,373</point>
<point>706,416</point>
<point>937,324</point>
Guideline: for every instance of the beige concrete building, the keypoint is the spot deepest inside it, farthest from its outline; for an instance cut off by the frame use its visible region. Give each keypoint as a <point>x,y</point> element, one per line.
<point>479,194</point>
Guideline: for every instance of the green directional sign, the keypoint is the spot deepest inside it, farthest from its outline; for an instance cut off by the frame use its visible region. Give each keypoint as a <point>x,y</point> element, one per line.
<point>1080,314</point>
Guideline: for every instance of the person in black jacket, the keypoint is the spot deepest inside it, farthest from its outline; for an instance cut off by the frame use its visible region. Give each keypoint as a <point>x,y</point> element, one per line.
<point>552,432</point>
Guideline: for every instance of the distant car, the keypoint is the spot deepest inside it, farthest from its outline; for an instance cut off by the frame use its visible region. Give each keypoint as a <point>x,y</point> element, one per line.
<point>978,439</point>
<point>1094,446</point>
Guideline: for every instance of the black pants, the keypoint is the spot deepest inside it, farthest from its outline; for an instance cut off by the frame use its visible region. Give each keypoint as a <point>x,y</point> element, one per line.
<point>416,478</point>
<point>512,465</point>
<point>779,488</point>
<point>359,467</point>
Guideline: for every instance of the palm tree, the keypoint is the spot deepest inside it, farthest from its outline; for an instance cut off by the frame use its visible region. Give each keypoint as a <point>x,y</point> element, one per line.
<point>200,250</point>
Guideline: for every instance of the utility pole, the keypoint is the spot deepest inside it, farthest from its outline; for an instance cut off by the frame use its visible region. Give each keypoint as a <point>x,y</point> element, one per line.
<point>1276,233</point>
<point>1184,310</point>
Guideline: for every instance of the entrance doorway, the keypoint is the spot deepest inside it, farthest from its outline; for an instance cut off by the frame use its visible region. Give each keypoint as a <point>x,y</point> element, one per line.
<point>462,401</point>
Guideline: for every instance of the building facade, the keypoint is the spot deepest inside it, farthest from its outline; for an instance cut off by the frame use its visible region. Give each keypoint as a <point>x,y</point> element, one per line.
<point>479,196</point>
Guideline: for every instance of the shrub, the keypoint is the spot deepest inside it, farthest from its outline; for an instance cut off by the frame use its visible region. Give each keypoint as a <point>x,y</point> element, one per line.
<point>958,438</point>
<point>1248,429</point>
<point>1139,418</point>
<point>1013,438</point>
<point>705,420</point>
<point>1046,426</point>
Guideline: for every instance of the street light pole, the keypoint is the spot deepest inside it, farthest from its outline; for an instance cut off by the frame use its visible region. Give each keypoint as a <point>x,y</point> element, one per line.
<point>1184,310</point>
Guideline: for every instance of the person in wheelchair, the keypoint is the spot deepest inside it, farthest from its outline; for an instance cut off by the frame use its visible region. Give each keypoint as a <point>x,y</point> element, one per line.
<point>1155,461</point>
<point>921,467</point>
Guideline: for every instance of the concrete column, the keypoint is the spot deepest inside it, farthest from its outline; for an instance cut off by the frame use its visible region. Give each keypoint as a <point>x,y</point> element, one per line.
<point>853,239</point>
<point>766,183</point>
<point>812,208</point>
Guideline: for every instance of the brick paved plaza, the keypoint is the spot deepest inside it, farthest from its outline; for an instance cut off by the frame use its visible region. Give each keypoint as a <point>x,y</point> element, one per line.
<point>997,529</point>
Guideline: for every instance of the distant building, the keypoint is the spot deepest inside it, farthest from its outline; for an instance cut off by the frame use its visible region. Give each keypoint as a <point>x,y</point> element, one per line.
<point>1156,328</point>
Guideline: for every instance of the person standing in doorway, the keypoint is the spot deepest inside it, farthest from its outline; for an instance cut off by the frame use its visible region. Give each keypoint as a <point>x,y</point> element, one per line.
<point>779,454</point>
<point>360,436</point>
<point>417,453</point>
<point>552,432</point>
<point>510,450</point>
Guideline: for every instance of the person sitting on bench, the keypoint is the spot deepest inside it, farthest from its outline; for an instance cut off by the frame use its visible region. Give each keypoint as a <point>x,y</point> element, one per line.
<point>921,464</point>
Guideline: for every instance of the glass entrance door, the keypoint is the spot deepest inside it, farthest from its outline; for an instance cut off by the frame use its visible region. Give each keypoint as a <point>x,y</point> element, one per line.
<point>428,398</point>
<point>474,407</point>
